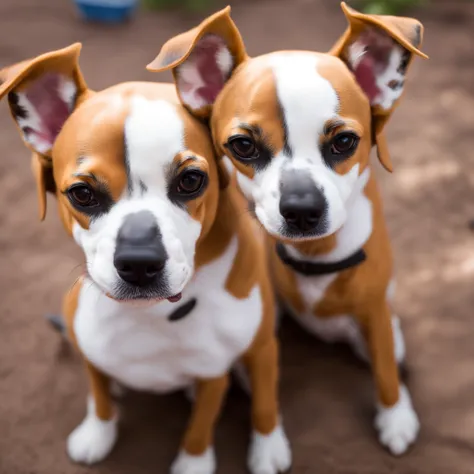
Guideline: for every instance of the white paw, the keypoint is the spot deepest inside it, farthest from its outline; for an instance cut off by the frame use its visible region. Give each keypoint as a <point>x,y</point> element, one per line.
<point>188,464</point>
<point>269,454</point>
<point>93,439</point>
<point>398,426</point>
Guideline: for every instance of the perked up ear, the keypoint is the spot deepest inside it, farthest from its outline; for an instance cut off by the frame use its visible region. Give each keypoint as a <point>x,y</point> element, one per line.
<point>42,93</point>
<point>379,49</point>
<point>202,60</point>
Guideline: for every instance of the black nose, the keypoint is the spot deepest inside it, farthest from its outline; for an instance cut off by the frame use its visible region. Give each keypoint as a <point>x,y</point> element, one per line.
<point>139,255</point>
<point>302,204</point>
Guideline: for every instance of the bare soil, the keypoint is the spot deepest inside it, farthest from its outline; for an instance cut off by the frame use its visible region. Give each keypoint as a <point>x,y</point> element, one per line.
<point>326,394</point>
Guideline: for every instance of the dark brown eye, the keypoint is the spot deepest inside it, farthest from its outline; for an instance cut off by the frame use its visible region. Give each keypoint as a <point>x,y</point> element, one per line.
<point>83,196</point>
<point>243,147</point>
<point>344,143</point>
<point>190,182</point>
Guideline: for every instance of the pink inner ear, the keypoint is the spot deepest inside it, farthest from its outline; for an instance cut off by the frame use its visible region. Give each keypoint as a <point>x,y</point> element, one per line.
<point>208,67</point>
<point>203,75</point>
<point>365,76</point>
<point>369,57</point>
<point>46,96</point>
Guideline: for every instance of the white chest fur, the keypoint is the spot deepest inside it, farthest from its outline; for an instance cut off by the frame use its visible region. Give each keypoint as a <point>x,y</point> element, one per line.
<point>142,349</point>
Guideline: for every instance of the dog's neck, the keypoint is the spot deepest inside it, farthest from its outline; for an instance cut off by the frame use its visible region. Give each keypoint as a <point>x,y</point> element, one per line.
<point>349,238</point>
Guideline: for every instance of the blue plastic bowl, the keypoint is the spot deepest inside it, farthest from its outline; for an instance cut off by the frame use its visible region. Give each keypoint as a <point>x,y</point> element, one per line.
<point>106,11</point>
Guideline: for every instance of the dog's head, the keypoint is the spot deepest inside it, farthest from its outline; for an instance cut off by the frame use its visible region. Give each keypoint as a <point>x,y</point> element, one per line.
<point>299,124</point>
<point>134,172</point>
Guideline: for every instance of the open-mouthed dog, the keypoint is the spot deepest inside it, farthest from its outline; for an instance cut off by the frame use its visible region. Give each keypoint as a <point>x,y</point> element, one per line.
<point>177,288</point>
<point>299,126</point>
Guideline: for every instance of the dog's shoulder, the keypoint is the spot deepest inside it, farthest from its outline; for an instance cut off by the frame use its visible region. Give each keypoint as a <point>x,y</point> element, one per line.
<point>70,304</point>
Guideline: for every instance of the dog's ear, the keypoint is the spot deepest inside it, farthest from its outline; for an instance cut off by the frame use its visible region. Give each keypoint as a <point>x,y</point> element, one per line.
<point>379,49</point>
<point>43,174</point>
<point>42,93</point>
<point>202,60</point>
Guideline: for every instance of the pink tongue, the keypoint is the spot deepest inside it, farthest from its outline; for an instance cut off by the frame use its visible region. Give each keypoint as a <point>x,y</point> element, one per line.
<point>175,298</point>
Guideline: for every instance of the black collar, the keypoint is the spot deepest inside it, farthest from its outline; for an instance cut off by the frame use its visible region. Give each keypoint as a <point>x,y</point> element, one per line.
<point>319,268</point>
<point>182,311</point>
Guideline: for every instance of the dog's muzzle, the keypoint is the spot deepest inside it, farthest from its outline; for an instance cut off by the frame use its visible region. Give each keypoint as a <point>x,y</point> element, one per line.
<point>302,205</point>
<point>140,256</point>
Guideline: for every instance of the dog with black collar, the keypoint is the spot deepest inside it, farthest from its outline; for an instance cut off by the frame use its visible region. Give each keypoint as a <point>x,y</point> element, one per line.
<point>299,126</point>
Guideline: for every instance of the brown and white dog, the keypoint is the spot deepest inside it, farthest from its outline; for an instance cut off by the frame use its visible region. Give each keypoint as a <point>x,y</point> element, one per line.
<point>299,127</point>
<point>177,287</point>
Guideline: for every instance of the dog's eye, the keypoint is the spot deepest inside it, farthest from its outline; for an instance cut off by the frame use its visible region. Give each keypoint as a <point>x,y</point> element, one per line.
<point>344,143</point>
<point>243,147</point>
<point>83,196</point>
<point>190,182</point>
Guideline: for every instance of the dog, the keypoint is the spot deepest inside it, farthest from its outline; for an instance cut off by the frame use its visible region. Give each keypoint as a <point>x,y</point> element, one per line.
<point>298,127</point>
<point>177,288</point>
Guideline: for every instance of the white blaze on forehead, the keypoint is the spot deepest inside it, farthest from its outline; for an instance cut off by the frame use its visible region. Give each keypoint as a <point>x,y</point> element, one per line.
<point>154,135</point>
<point>307,100</point>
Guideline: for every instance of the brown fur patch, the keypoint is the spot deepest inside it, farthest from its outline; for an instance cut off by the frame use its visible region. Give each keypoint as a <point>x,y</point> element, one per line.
<point>69,307</point>
<point>44,179</point>
<point>199,145</point>
<point>90,148</point>
<point>250,108</point>
<point>100,391</point>
<point>354,110</point>
<point>367,282</point>
<point>210,395</point>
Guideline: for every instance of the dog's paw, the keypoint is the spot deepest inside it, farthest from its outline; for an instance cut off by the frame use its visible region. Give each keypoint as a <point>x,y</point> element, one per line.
<point>92,440</point>
<point>188,464</point>
<point>398,426</point>
<point>269,454</point>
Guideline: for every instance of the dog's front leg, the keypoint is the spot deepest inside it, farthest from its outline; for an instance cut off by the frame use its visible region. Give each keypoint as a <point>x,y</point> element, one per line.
<point>197,453</point>
<point>270,450</point>
<point>95,437</point>
<point>396,420</point>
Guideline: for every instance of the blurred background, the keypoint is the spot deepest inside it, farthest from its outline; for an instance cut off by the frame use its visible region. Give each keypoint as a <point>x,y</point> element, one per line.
<point>326,395</point>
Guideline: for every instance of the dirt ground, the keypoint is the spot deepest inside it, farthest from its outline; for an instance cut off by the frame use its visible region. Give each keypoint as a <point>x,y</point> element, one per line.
<point>326,394</point>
